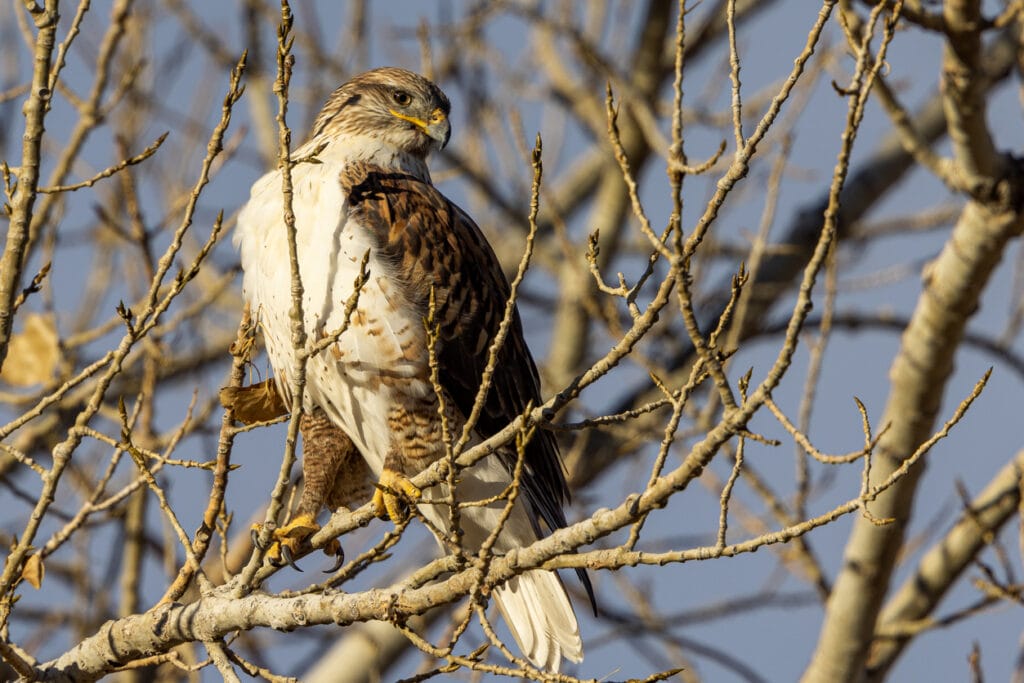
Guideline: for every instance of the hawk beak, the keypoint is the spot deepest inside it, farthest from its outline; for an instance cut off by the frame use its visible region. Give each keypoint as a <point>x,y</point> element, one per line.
<point>437,127</point>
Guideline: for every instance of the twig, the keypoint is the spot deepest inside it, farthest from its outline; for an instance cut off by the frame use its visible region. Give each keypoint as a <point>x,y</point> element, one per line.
<point>106,173</point>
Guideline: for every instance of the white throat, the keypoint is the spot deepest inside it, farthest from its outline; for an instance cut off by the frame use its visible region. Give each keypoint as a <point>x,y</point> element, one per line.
<point>346,149</point>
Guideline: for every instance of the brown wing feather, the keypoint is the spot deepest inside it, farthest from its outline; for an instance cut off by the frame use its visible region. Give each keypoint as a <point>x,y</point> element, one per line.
<point>431,242</point>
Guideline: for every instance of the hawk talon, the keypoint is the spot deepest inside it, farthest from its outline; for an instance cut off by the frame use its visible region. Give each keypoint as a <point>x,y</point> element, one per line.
<point>286,555</point>
<point>338,563</point>
<point>394,493</point>
<point>291,541</point>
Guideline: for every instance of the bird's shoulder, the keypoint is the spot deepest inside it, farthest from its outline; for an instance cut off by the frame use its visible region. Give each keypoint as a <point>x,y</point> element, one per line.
<point>431,245</point>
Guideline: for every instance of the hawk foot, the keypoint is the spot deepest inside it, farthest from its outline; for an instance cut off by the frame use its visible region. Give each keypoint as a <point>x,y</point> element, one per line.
<point>393,494</point>
<point>291,541</point>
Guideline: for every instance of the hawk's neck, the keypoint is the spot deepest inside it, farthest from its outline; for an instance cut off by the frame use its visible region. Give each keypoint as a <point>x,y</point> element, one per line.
<point>359,148</point>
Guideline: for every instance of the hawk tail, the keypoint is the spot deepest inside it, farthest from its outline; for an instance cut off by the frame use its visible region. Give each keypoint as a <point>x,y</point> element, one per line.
<point>537,611</point>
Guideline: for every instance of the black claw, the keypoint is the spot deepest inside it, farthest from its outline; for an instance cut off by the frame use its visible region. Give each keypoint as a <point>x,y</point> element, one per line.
<point>255,535</point>
<point>338,563</point>
<point>286,555</point>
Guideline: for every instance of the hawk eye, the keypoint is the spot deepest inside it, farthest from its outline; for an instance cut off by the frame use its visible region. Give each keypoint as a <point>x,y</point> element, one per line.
<point>401,97</point>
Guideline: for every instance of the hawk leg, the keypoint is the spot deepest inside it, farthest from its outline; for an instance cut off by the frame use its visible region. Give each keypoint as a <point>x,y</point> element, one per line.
<point>334,473</point>
<point>418,441</point>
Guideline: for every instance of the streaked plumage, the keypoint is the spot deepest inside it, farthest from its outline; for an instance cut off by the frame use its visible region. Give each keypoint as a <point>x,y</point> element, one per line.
<point>371,193</point>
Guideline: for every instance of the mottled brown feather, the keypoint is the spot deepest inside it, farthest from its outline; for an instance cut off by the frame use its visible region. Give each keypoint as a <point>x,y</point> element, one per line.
<point>333,471</point>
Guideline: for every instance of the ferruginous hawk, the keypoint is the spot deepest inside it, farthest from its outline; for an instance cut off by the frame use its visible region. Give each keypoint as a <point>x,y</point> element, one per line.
<point>371,391</point>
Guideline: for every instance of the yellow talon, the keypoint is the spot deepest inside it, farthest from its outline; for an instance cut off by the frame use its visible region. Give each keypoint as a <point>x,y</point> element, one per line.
<point>287,542</point>
<point>386,499</point>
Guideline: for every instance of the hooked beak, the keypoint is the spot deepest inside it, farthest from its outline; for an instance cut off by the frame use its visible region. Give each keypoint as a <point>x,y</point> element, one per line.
<point>437,127</point>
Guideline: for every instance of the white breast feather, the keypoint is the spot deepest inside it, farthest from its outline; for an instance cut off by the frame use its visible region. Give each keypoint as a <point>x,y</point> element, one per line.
<point>331,247</point>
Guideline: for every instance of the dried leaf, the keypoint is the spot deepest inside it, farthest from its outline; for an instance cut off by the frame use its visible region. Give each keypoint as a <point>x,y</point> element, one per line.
<point>32,354</point>
<point>33,571</point>
<point>254,403</point>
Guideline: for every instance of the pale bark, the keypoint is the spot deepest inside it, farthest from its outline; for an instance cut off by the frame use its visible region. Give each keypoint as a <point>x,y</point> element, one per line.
<point>953,285</point>
<point>911,608</point>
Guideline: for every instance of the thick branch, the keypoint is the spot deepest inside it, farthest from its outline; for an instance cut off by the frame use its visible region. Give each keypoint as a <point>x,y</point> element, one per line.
<point>941,566</point>
<point>964,100</point>
<point>953,286</point>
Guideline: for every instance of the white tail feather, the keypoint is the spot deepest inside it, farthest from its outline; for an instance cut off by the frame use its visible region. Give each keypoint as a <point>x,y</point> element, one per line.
<point>542,621</point>
<point>534,604</point>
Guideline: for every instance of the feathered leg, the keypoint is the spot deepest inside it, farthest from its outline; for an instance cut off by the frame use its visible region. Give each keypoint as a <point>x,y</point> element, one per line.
<point>327,458</point>
<point>333,471</point>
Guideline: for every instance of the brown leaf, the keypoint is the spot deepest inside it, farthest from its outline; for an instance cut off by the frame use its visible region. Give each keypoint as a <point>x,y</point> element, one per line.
<point>255,403</point>
<point>33,571</point>
<point>32,354</point>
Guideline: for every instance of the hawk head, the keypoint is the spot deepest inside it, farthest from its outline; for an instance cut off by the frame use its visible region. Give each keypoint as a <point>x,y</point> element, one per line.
<point>398,107</point>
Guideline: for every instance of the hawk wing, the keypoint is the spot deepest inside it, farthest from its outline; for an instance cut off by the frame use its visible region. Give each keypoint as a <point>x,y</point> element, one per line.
<point>430,242</point>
